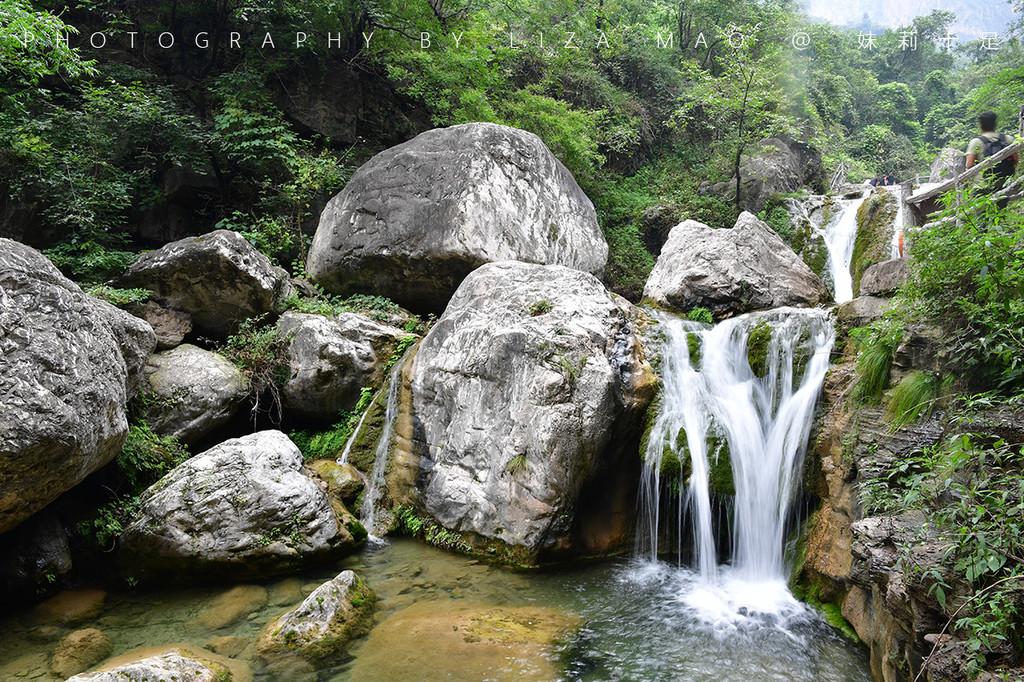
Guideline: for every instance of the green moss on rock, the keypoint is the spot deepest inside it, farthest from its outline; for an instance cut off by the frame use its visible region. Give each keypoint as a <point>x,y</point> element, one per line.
<point>693,344</point>
<point>720,480</point>
<point>875,219</point>
<point>757,348</point>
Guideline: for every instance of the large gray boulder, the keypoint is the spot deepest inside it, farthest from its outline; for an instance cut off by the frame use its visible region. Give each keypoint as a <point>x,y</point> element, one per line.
<point>68,365</point>
<point>219,278</point>
<point>182,662</point>
<point>331,359</point>
<point>188,392</point>
<point>519,424</point>
<point>35,557</point>
<point>775,165</point>
<point>244,508</point>
<point>417,218</point>
<point>730,271</point>
<point>948,162</point>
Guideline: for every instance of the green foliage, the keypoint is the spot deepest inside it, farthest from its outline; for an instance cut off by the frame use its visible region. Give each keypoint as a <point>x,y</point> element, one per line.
<point>702,315</point>
<point>330,443</point>
<point>876,347</point>
<point>103,528</point>
<point>972,490</point>
<point>540,307</point>
<point>146,456</point>
<point>517,465</point>
<point>915,396</point>
<point>261,353</point>
<point>407,520</point>
<point>119,297</point>
<point>967,276</point>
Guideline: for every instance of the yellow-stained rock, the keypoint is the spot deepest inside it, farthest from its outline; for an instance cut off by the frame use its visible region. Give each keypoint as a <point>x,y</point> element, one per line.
<point>236,603</point>
<point>79,651</point>
<point>71,607</point>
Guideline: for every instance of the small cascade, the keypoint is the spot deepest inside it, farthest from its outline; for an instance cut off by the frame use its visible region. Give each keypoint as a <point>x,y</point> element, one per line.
<point>355,432</point>
<point>375,481</point>
<point>738,396</point>
<point>838,232</point>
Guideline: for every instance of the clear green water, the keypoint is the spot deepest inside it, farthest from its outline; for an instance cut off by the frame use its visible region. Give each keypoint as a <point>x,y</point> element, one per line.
<point>640,621</point>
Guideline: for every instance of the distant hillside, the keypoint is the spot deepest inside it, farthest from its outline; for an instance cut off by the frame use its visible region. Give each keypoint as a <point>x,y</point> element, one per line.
<point>972,17</point>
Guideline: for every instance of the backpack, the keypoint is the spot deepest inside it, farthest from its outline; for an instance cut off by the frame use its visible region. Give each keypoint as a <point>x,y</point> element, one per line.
<point>1004,168</point>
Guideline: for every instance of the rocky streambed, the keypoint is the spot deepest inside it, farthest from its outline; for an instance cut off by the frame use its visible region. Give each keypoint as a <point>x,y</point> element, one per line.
<point>443,616</point>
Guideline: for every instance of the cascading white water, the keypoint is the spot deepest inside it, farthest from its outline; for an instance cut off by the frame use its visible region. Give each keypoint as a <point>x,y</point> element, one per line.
<point>375,482</point>
<point>355,432</point>
<point>839,233</point>
<point>715,406</point>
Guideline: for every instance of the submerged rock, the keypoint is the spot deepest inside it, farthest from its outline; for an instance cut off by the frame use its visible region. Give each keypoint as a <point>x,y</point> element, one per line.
<point>417,218</point>
<point>234,604</point>
<point>460,640</point>
<point>71,607</point>
<point>747,267</point>
<point>331,359</point>
<point>189,392</point>
<point>219,278</point>
<point>68,365</point>
<point>243,508</point>
<point>524,402</point>
<point>322,625</point>
<point>79,651</point>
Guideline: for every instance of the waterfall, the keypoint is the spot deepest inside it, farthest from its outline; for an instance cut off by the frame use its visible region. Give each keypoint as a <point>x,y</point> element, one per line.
<point>715,412</point>
<point>355,432</point>
<point>375,482</point>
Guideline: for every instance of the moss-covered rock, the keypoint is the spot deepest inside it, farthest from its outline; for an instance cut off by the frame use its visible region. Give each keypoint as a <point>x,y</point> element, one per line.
<point>694,346</point>
<point>323,624</point>
<point>720,480</point>
<point>757,348</point>
<point>875,223</point>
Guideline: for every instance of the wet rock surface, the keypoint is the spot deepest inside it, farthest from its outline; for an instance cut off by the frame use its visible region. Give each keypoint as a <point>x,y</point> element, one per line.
<point>219,279</point>
<point>747,267</point>
<point>522,402</point>
<point>243,508</point>
<point>417,218</point>
<point>882,279</point>
<point>69,363</point>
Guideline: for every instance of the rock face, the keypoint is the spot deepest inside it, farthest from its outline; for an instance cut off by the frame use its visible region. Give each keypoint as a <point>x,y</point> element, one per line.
<point>242,508</point>
<point>747,267</point>
<point>170,326</point>
<point>882,279</point>
<point>948,163</point>
<point>34,558</point>
<point>190,391</point>
<point>325,621</point>
<point>68,365</point>
<point>331,359</point>
<point>776,165</point>
<point>522,400</point>
<point>219,278</point>
<point>419,217</point>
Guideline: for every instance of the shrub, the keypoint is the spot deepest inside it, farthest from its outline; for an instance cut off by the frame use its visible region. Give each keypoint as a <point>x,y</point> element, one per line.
<point>700,315</point>
<point>146,456</point>
<point>877,347</point>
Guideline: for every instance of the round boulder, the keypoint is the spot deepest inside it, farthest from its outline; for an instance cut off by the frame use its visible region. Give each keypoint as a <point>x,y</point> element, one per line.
<point>417,218</point>
<point>68,365</point>
<point>219,278</point>
<point>79,651</point>
<point>244,508</point>
<point>331,359</point>
<point>189,391</point>
<point>730,271</point>
<point>519,425</point>
<point>325,621</point>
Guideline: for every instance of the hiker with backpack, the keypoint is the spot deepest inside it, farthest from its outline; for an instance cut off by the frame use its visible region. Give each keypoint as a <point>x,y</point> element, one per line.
<point>988,144</point>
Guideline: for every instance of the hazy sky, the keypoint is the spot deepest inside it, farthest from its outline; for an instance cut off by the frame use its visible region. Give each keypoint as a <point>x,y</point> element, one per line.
<point>974,17</point>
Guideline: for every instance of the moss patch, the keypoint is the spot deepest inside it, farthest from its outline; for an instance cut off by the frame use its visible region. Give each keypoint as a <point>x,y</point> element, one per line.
<point>693,344</point>
<point>720,480</point>
<point>874,234</point>
<point>364,447</point>
<point>757,348</point>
